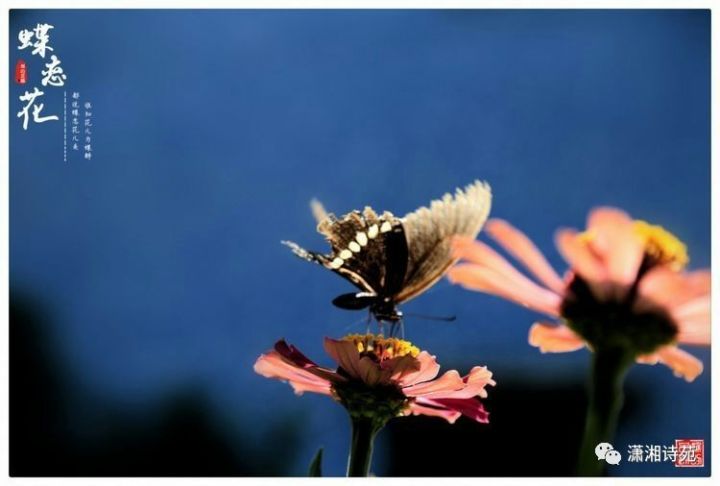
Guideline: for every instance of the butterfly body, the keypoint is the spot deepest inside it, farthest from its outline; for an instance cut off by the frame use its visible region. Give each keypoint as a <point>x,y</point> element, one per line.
<point>381,300</point>
<point>391,260</point>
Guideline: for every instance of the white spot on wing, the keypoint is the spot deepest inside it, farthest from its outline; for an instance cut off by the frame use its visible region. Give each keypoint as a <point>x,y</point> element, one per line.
<point>337,263</point>
<point>354,247</point>
<point>386,226</point>
<point>362,238</point>
<point>373,231</point>
<point>346,254</point>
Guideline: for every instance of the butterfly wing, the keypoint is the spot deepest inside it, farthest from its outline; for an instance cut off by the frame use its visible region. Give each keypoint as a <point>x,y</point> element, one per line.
<point>429,231</point>
<point>396,260</point>
<point>361,246</point>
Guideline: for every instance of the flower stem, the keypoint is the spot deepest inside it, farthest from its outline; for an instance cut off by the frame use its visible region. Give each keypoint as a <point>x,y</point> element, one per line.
<point>364,431</point>
<point>605,401</point>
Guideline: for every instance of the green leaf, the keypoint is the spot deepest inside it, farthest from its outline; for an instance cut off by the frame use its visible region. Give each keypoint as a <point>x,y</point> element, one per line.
<point>315,469</point>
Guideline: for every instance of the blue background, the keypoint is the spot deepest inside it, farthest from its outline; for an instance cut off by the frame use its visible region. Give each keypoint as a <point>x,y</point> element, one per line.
<point>159,260</point>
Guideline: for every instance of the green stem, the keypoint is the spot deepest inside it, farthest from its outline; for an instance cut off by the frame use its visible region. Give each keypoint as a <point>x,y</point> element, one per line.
<point>364,431</point>
<point>604,404</point>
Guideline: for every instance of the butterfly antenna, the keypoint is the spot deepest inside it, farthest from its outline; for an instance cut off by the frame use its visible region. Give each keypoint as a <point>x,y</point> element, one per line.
<point>318,210</point>
<point>432,318</point>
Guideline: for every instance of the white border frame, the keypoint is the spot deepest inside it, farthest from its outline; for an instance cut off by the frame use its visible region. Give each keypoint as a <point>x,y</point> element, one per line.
<point>319,4</point>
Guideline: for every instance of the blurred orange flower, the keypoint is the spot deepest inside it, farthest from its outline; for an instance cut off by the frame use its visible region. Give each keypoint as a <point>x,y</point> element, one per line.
<point>625,288</point>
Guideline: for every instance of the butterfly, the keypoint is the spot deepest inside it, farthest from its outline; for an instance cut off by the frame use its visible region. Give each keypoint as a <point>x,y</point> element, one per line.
<point>392,260</point>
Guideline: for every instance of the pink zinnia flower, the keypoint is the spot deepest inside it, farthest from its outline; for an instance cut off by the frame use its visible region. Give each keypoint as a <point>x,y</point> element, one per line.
<point>625,288</point>
<point>381,378</point>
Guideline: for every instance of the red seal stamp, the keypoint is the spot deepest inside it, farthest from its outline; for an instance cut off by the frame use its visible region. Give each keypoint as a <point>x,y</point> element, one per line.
<point>690,453</point>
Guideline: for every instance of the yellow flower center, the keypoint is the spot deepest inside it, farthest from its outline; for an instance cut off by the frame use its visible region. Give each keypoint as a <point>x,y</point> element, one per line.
<point>381,347</point>
<point>661,245</point>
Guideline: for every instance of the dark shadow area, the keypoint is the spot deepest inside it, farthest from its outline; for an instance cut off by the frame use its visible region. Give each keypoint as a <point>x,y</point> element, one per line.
<point>531,428</point>
<point>178,437</point>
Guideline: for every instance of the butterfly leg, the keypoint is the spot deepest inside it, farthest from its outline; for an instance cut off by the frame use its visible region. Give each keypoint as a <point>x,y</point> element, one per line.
<point>380,323</point>
<point>396,327</point>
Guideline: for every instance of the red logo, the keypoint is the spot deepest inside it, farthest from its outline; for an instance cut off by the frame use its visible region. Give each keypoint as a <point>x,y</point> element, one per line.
<point>21,72</point>
<point>690,453</point>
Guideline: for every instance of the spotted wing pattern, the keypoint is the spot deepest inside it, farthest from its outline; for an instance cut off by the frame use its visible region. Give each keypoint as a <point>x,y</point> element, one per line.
<point>359,251</point>
<point>429,232</point>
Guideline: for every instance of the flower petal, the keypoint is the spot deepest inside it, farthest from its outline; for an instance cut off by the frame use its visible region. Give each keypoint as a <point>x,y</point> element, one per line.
<point>474,384</point>
<point>582,261</point>
<point>470,407</point>
<point>508,286</point>
<point>685,296</point>
<point>614,239</point>
<point>525,251</point>
<point>345,354</point>
<point>682,363</point>
<point>664,287</point>
<point>478,252</point>
<point>427,369</point>
<point>693,320</point>
<point>648,359</point>
<point>371,373</point>
<point>476,381</point>
<point>448,382</point>
<point>293,354</point>
<point>272,365</point>
<point>698,281</point>
<point>554,338</point>
<point>416,408</point>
